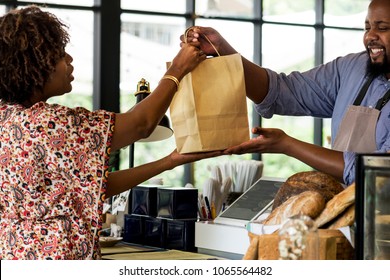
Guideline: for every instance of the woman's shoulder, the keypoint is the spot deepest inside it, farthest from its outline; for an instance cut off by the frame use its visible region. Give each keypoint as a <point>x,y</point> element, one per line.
<point>43,112</point>
<point>57,110</point>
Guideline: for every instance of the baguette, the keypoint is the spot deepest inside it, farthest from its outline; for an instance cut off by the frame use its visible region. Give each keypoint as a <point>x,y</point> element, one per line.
<point>345,219</point>
<point>309,203</point>
<point>336,205</point>
<point>252,251</point>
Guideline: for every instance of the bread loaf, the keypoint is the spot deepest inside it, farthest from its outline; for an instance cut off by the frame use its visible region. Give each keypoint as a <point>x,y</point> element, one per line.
<point>252,251</point>
<point>309,203</point>
<point>344,219</point>
<point>325,184</point>
<point>336,205</point>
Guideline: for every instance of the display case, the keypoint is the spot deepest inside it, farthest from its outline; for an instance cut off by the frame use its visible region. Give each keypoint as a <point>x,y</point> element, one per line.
<point>372,233</point>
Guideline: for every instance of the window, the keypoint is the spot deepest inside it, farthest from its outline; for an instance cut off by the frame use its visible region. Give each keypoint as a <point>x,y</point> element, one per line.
<point>349,13</point>
<point>171,6</point>
<point>232,9</point>
<point>147,43</point>
<point>63,2</point>
<point>81,49</point>
<point>289,11</point>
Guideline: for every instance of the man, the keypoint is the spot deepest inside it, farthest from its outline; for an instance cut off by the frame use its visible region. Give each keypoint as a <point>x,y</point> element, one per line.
<point>352,90</point>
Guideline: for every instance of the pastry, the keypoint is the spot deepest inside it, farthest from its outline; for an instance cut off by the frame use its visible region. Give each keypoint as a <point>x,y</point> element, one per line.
<point>346,218</point>
<point>309,203</point>
<point>325,184</point>
<point>336,205</point>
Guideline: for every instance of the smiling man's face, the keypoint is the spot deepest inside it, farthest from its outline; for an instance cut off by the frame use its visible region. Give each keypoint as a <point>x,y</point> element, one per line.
<point>377,37</point>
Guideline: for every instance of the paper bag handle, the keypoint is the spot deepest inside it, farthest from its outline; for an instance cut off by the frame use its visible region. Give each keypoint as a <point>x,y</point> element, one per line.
<point>185,38</point>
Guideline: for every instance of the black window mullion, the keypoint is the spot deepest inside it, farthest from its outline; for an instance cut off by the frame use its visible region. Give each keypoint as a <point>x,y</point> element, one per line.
<point>319,59</point>
<point>106,60</point>
<point>106,81</point>
<point>257,54</point>
<point>189,168</point>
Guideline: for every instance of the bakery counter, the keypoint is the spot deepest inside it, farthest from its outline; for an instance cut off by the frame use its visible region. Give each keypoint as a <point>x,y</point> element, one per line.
<point>313,198</point>
<point>221,240</point>
<point>129,251</point>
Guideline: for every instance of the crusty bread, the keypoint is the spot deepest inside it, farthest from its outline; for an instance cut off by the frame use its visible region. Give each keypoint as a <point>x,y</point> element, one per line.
<point>252,251</point>
<point>344,219</point>
<point>325,184</point>
<point>309,203</point>
<point>336,205</point>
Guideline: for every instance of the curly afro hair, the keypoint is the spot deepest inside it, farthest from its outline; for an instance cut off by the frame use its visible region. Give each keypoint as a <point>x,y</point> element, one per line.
<point>32,41</point>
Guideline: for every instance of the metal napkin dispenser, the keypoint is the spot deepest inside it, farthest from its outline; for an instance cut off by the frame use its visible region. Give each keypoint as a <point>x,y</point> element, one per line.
<point>372,235</point>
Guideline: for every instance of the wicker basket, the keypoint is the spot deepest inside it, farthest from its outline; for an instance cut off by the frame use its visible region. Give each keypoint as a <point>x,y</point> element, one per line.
<point>333,245</point>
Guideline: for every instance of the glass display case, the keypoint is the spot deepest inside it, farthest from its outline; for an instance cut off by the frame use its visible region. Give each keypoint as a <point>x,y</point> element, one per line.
<point>372,235</point>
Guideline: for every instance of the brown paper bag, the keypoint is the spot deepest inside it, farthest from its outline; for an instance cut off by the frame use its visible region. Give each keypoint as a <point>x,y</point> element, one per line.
<point>209,111</point>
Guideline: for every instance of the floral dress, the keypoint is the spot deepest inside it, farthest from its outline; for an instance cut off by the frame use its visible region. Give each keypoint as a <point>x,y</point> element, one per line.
<point>53,174</point>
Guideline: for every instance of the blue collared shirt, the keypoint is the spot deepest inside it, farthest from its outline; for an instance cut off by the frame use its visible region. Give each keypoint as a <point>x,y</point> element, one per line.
<point>327,91</point>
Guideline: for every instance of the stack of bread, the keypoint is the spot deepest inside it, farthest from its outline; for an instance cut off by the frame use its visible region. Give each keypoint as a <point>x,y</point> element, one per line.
<point>317,195</point>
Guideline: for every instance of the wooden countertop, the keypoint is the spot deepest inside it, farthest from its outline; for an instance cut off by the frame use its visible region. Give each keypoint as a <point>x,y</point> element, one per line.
<point>127,251</point>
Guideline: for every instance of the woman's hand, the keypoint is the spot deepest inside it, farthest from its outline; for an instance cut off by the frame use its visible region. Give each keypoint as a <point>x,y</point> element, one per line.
<point>122,180</point>
<point>186,60</point>
<point>179,159</point>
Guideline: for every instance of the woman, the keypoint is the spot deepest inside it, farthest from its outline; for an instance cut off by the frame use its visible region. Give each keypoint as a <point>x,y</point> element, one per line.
<point>53,159</point>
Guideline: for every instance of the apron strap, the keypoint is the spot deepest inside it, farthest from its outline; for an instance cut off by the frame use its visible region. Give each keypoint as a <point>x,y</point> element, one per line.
<point>363,91</point>
<point>382,102</point>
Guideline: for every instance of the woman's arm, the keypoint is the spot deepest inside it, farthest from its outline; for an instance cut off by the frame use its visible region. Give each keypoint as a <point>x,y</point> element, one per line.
<point>140,121</point>
<point>120,181</point>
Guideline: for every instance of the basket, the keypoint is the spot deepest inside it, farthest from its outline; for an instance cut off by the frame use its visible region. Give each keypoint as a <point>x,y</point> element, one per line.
<point>333,245</point>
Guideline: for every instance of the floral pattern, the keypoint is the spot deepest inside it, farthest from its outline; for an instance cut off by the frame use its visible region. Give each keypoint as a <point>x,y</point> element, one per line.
<point>53,174</point>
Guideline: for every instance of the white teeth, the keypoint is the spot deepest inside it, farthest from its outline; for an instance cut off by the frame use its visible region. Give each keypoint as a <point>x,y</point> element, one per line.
<point>375,51</point>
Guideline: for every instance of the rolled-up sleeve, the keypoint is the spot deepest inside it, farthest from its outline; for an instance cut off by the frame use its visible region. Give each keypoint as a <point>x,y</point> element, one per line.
<point>299,94</point>
<point>349,167</point>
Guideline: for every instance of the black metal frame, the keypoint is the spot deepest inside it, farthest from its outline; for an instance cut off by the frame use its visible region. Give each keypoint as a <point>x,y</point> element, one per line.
<point>361,239</point>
